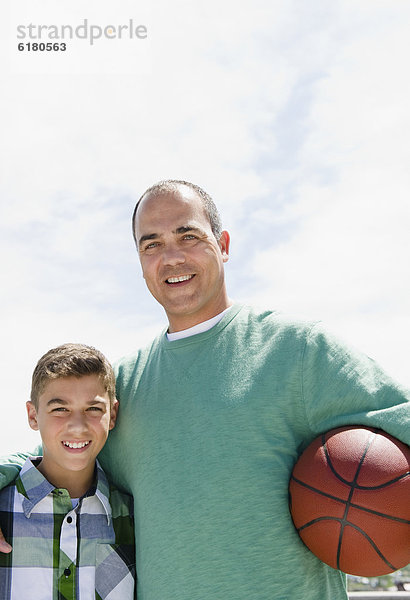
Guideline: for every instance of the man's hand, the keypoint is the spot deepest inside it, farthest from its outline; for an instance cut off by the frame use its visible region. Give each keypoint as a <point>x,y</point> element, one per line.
<point>4,546</point>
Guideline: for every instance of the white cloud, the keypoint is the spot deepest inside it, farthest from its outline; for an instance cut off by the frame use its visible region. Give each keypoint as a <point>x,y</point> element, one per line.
<point>293,115</point>
<point>344,248</point>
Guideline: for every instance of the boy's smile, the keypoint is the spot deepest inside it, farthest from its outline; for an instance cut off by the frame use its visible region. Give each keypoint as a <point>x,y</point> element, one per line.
<point>76,445</point>
<point>74,417</point>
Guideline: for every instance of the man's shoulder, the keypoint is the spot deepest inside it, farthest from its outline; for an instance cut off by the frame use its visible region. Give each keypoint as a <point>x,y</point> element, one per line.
<point>271,320</point>
<point>136,359</point>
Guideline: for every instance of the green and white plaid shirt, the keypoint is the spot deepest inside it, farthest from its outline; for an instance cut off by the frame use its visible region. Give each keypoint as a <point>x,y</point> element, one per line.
<point>61,552</point>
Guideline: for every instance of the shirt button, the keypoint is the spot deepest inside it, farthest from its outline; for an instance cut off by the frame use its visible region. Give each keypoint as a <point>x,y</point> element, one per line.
<point>67,572</point>
<point>69,519</point>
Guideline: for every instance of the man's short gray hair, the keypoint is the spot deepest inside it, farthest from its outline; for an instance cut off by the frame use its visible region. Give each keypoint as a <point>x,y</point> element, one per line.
<point>171,186</point>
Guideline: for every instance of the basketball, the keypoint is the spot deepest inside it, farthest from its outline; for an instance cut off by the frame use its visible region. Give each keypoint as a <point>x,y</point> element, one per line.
<point>349,497</point>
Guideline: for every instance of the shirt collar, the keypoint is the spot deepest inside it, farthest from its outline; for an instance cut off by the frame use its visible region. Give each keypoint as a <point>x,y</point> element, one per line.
<point>103,491</point>
<point>200,328</point>
<point>35,487</point>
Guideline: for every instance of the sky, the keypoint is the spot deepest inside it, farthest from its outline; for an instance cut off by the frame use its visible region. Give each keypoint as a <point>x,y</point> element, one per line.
<point>293,115</point>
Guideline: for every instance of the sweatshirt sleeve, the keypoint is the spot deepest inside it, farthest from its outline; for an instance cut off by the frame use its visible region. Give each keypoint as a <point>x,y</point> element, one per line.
<point>10,466</point>
<point>342,386</point>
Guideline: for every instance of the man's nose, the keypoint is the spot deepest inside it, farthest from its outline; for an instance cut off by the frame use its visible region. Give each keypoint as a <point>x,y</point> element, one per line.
<point>173,255</point>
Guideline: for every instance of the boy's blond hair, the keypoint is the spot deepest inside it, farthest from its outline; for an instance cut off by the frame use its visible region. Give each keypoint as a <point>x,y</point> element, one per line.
<point>72,360</point>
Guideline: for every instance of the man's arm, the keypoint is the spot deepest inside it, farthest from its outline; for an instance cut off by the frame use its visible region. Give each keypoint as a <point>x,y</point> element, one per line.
<point>9,469</point>
<point>342,386</point>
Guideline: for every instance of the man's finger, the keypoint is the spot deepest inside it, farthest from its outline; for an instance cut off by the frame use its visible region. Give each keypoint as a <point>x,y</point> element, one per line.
<point>4,546</point>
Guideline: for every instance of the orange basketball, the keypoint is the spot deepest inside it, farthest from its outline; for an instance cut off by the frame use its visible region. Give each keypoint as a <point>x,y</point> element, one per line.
<point>350,500</point>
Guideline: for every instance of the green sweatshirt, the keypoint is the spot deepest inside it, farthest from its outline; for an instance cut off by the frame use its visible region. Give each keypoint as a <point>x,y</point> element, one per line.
<point>209,429</point>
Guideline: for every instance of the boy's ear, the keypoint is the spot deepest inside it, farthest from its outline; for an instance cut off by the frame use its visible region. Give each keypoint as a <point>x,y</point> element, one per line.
<point>32,416</point>
<point>114,412</point>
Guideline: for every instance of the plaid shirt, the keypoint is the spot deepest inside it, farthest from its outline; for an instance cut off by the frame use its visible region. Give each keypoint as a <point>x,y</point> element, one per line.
<point>61,552</point>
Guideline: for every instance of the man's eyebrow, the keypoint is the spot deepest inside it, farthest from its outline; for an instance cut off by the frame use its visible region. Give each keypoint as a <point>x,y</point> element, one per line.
<point>179,230</point>
<point>186,228</point>
<point>148,236</point>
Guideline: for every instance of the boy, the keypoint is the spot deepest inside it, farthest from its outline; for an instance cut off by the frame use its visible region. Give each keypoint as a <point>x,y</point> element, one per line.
<point>71,533</point>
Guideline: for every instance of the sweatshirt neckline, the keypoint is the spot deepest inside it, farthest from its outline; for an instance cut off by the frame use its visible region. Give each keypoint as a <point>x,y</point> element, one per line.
<point>199,337</point>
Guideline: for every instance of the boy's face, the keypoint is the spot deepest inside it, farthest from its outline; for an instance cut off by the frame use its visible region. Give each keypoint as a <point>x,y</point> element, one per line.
<point>74,418</point>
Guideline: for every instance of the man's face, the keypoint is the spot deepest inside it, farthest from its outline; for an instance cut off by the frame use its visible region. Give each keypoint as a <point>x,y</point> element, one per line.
<point>181,260</point>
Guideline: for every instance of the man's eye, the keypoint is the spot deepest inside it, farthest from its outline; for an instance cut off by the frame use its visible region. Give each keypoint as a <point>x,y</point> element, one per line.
<point>95,409</point>
<point>189,236</point>
<point>59,409</point>
<point>151,246</point>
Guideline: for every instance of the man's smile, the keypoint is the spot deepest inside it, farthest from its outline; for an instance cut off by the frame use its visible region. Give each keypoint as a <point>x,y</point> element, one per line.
<point>179,279</point>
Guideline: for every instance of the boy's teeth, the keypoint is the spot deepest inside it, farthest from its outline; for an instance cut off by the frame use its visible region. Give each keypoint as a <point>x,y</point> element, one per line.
<point>76,444</point>
<point>177,279</point>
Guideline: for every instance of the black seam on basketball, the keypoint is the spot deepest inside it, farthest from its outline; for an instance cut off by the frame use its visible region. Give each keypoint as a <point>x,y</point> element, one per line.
<point>379,514</point>
<point>343,524</point>
<point>332,468</point>
<point>358,485</point>
<point>383,485</point>
<point>314,489</point>
<point>352,486</point>
<point>352,504</point>
<point>317,520</point>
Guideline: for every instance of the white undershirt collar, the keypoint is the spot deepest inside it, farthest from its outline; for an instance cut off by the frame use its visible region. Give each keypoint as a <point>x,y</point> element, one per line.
<point>200,328</point>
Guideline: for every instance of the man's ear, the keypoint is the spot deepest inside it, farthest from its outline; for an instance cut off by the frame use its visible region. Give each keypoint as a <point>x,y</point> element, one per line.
<point>224,242</point>
<point>113,413</point>
<point>32,416</point>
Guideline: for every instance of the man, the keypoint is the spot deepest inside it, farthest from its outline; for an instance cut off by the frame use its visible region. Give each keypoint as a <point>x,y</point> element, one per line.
<point>215,412</point>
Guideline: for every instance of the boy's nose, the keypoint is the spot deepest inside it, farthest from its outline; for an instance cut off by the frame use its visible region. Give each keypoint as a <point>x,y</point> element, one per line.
<point>77,423</point>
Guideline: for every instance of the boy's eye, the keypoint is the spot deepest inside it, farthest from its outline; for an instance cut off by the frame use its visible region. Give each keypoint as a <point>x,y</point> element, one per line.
<point>59,409</point>
<point>95,408</point>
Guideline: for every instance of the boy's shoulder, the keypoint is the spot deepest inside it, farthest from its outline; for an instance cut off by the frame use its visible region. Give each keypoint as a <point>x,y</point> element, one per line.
<point>7,497</point>
<point>121,503</point>
<point>30,482</point>
<point>121,509</point>
<point>25,482</point>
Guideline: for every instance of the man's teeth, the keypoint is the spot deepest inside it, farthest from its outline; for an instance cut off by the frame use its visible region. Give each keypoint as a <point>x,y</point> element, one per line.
<point>76,444</point>
<point>178,279</point>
